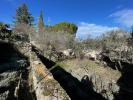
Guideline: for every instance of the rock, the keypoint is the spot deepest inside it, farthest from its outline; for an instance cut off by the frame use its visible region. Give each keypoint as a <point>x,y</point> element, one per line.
<point>98,80</point>
<point>4,95</point>
<point>11,69</point>
<point>7,83</point>
<point>7,77</point>
<point>68,52</point>
<point>92,54</point>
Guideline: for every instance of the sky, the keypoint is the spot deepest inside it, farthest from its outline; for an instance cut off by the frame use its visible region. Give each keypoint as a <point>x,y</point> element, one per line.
<point>93,17</point>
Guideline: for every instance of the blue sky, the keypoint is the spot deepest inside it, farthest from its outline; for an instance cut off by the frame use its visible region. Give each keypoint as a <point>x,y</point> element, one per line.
<point>93,17</point>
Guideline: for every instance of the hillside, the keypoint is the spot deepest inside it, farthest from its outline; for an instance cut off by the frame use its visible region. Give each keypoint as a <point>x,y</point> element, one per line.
<point>84,51</point>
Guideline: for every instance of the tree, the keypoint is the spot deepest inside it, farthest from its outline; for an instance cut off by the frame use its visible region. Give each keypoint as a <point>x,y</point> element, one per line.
<point>4,32</point>
<point>3,26</point>
<point>40,23</point>
<point>23,16</point>
<point>65,26</point>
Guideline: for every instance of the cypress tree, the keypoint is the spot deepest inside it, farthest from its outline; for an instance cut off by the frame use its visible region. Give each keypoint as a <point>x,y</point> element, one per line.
<point>40,23</point>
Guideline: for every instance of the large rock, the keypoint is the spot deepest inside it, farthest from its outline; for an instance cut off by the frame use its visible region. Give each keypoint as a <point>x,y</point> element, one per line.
<point>13,64</point>
<point>92,54</point>
<point>68,53</point>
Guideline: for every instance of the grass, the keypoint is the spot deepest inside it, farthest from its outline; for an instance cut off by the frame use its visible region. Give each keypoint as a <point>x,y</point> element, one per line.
<point>79,66</point>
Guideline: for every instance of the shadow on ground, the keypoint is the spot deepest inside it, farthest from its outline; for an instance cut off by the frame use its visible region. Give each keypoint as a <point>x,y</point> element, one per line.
<point>10,57</point>
<point>75,89</point>
<point>125,82</point>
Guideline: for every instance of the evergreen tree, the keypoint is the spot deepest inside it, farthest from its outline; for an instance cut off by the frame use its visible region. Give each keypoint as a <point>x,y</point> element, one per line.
<point>40,23</point>
<point>23,16</point>
<point>66,26</point>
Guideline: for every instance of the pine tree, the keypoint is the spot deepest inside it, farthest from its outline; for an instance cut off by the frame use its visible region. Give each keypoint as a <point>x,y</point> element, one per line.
<point>66,26</point>
<point>40,23</point>
<point>23,16</point>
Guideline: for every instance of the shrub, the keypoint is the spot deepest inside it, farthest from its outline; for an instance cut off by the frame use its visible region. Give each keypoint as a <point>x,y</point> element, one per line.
<point>22,32</point>
<point>66,27</point>
<point>5,33</point>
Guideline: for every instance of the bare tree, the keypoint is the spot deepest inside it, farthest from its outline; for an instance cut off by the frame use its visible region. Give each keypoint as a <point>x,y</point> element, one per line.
<point>22,31</point>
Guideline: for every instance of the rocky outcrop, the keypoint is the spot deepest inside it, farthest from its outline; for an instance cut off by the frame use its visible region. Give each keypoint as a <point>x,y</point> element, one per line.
<point>94,76</point>
<point>7,85</point>
<point>46,80</point>
<point>45,86</point>
<point>121,59</point>
<point>75,89</point>
<point>14,65</point>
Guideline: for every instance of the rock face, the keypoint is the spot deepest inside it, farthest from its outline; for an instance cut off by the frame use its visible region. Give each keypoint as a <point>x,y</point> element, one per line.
<point>45,86</point>
<point>122,53</point>
<point>7,85</point>
<point>101,80</point>
<point>68,53</point>
<point>56,83</point>
<point>92,54</point>
<point>13,73</point>
<point>18,81</point>
<point>122,60</point>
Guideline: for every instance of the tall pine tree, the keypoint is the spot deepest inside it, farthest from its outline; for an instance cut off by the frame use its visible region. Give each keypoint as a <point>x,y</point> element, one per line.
<point>40,23</point>
<point>23,15</point>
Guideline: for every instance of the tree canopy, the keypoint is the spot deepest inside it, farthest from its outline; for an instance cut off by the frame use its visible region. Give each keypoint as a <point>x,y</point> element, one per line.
<point>65,26</point>
<point>3,26</point>
<point>4,32</point>
<point>23,15</point>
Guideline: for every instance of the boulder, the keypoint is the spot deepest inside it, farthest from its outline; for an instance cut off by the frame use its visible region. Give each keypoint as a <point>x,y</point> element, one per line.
<point>92,54</point>
<point>68,53</point>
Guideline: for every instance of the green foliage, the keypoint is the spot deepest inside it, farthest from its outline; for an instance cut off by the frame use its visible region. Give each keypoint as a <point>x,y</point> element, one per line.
<point>23,16</point>
<point>41,23</point>
<point>3,26</point>
<point>67,27</point>
<point>4,32</point>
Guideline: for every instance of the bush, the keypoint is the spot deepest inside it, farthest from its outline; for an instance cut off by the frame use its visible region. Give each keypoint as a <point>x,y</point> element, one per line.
<point>22,32</point>
<point>52,42</point>
<point>64,26</point>
<point>5,33</point>
<point>115,39</point>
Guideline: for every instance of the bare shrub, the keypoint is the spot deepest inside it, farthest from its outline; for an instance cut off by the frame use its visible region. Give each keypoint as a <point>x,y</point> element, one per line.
<point>23,31</point>
<point>115,45</point>
<point>52,43</point>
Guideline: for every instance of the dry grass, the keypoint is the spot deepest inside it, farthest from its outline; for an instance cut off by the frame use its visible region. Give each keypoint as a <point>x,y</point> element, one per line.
<point>86,66</point>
